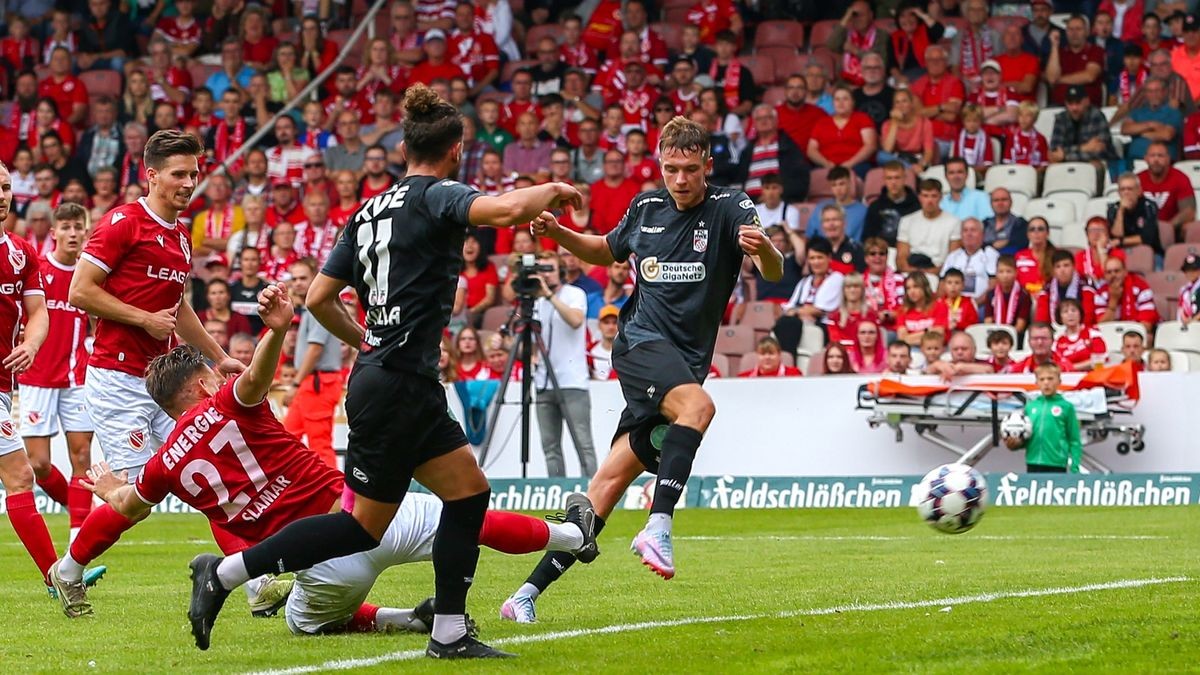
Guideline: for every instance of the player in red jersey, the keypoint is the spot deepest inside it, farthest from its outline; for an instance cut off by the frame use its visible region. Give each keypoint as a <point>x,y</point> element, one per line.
<point>255,478</point>
<point>132,275</point>
<point>52,389</point>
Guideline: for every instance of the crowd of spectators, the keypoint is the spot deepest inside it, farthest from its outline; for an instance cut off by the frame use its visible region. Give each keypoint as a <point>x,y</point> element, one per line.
<point>829,115</point>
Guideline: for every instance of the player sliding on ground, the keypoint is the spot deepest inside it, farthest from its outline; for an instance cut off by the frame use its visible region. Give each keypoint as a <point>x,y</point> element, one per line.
<point>402,252</point>
<point>230,458</point>
<point>688,240</point>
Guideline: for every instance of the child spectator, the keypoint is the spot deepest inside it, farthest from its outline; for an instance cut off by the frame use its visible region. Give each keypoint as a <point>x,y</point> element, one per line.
<point>972,142</point>
<point>1055,446</point>
<point>1025,144</point>
<point>771,208</point>
<point>496,355</point>
<point>953,309</point>
<point>837,361</point>
<point>997,102</point>
<point>916,316</point>
<point>770,361</point>
<point>1079,345</point>
<point>1066,283</point>
<point>867,352</point>
<point>639,165</point>
<point>1007,302</point>
<point>1159,361</point>
<point>1131,78</point>
<point>447,361</point>
<point>600,355</point>
<point>19,50</point>
<point>842,323</point>
<point>1189,295</point>
<point>931,347</point>
<point>1000,344</point>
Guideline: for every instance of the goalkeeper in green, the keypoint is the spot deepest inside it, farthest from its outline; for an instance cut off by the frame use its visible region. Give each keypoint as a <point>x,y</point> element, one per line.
<point>1055,445</point>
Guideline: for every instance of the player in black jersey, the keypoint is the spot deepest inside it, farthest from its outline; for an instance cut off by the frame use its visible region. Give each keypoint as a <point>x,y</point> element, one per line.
<point>402,252</point>
<point>688,243</point>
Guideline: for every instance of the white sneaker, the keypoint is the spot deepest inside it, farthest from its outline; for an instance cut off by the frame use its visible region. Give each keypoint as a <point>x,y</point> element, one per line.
<point>518,608</point>
<point>271,597</point>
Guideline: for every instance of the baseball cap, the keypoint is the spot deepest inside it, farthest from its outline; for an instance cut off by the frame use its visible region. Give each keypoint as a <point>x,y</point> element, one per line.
<point>280,181</point>
<point>1076,93</point>
<point>217,260</point>
<point>990,63</point>
<point>1190,23</point>
<point>920,261</point>
<point>435,34</point>
<point>1192,262</point>
<point>611,310</point>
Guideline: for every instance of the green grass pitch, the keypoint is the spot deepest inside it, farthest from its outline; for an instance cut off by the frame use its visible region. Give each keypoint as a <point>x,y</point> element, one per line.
<point>1031,589</point>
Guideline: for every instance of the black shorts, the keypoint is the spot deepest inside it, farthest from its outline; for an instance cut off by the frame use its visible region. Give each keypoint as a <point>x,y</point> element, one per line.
<point>398,421</point>
<point>646,373</point>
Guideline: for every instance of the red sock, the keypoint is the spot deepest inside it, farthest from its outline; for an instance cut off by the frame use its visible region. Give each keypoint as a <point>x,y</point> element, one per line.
<point>55,485</point>
<point>31,530</point>
<point>102,528</point>
<point>363,620</point>
<point>513,533</point>
<point>79,501</point>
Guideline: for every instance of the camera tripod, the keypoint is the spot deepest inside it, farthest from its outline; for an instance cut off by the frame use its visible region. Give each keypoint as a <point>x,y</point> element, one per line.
<point>527,332</point>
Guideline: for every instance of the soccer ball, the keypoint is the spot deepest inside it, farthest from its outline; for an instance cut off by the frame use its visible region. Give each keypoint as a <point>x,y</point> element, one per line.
<point>1017,426</point>
<point>953,498</point>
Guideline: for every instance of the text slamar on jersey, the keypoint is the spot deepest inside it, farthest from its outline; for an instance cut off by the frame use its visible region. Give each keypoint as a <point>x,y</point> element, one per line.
<point>375,235</point>
<point>229,435</point>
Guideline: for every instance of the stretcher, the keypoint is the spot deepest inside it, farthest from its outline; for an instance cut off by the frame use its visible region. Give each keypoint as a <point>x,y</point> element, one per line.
<point>1104,400</point>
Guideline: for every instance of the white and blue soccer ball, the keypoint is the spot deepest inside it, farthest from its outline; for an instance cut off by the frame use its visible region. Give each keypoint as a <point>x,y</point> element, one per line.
<point>1017,426</point>
<point>953,498</point>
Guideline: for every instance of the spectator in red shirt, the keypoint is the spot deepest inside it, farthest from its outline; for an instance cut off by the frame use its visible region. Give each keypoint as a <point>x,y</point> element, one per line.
<point>636,97</point>
<point>855,36</point>
<point>258,48</point>
<point>521,102</point>
<point>575,52</point>
<point>472,50</point>
<point>47,120</point>
<point>380,70</point>
<point>182,31</point>
<point>846,138</point>
<point>1023,143</point>
<point>797,117</point>
<point>713,17</point>
<point>1079,344</point>
<point>19,50</point>
<point>69,92</point>
<point>1041,348</point>
<point>1090,261</point>
<point>436,66</point>
<point>941,95</point>
<point>1126,297</point>
<point>1067,284</point>
<point>1076,63</point>
<point>842,323</point>
<point>770,361</point>
<point>1168,188</point>
<point>652,47</point>
<point>955,309</point>
<point>482,280</point>
<point>1132,347</point>
<point>1035,263</point>
<point>639,165</point>
<point>1019,69</point>
<point>916,316</point>
<point>612,194</point>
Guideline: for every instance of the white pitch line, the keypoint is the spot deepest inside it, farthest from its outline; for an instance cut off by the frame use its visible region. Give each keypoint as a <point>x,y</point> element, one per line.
<point>411,654</point>
<point>869,537</point>
<point>147,542</point>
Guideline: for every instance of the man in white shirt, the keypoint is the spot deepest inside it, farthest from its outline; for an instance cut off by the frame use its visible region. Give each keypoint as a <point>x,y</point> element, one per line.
<point>771,208</point>
<point>976,261</point>
<point>561,309</point>
<point>931,230</point>
<point>600,355</point>
<point>815,296</point>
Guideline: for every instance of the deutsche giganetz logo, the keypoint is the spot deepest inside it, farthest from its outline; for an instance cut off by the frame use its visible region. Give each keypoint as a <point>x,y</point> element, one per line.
<point>653,271</point>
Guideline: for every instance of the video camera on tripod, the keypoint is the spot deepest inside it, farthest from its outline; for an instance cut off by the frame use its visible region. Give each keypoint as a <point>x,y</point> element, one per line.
<point>526,284</point>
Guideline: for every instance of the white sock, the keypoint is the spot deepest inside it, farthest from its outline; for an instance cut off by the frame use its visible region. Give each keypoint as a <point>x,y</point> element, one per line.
<point>71,537</point>
<point>400,619</point>
<point>231,572</point>
<point>448,628</point>
<point>528,590</point>
<point>69,570</point>
<point>659,522</point>
<point>564,537</point>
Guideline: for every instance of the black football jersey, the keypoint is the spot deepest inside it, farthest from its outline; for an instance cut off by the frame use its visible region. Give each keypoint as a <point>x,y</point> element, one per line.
<point>687,263</point>
<point>402,252</point>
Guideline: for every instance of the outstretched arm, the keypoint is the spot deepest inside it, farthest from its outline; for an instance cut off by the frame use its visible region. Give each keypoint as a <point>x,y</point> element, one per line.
<point>275,309</point>
<point>322,301</point>
<point>590,248</point>
<point>522,206</point>
<point>116,491</point>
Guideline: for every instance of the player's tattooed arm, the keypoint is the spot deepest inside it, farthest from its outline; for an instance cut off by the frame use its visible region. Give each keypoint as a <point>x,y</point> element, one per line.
<point>116,491</point>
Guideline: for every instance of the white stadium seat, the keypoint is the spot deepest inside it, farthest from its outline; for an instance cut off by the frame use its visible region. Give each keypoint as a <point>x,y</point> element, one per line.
<point>1114,332</point>
<point>1070,177</point>
<point>1096,206</point>
<point>1018,178</point>
<point>1140,165</point>
<point>1073,235</point>
<point>1057,212</point>
<point>1176,336</point>
<point>1045,122</point>
<point>1191,169</point>
<point>980,332</point>
<point>1181,362</point>
<point>812,338</point>
<point>1019,203</point>
<point>938,172</point>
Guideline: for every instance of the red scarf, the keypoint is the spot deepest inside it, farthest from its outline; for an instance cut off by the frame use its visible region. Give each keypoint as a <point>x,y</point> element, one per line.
<point>318,241</point>
<point>976,152</point>
<point>904,45</point>
<point>1187,302</point>
<point>975,51</point>
<point>1009,311</point>
<point>851,63</point>
<point>1127,91</point>
<point>221,229</point>
<point>880,295</point>
<point>126,165</point>
<point>226,144</point>
<point>733,78</point>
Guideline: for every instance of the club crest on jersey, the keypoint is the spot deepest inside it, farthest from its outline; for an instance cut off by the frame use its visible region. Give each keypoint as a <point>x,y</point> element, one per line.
<point>700,241</point>
<point>33,417</point>
<point>183,246</point>
<point>7,430</point>
<point>137,439</point>
<point>17,259</point>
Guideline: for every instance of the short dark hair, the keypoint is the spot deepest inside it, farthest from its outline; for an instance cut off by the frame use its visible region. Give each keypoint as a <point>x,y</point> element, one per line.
<point>998,336</point>
<point>1062,255</point>
<point>167,374</point>
<point>431,126</point>
<point>551,99</point>
<point>1006,260</point>
<point>838,173</point>
<point>1067,302</point>
<point>167,143</point>
<point>930,184</point>
<point>1041,325</point>
<point>683,135</point>
<point>771,179</point>
<point>894,165</point>
<point>768,342</point>
<point>71,211</point>
<point>956,160</point>
<point>953,272</point>
<point>50,134</point>
<point>898,344</point>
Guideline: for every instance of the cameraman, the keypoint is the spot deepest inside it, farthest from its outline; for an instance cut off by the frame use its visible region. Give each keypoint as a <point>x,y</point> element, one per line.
<point>560,307</point>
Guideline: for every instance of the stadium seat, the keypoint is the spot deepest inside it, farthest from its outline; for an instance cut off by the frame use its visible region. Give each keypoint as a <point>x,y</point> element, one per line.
<point>779,34</point>
<point>676,15</point>
<point>1070,177</point>
<point>1191,232</point>
<point>1019,203</point>
<point>1177,336</point>
<point>722,365</point>
<point>812,338</point>
<point>536,33</point>
<point>938,172</point>
<point>816,363</point>
<point>818,185</point>
<point>802,360</point>
<point>199,72</point>
<point>760,316</point>
<point>787,63</point>
<point>1015,177</point>
<point>980,332</point>
<point>827,59</point>
<point>1096,206</point>
<point>735,340</point>
<point>1113,332</point>
<point>1140,165</point>
<point>1173,260</point>
<point>671,34</point>
<point>1072,236</point>
<point>1058,212</point>
<point>1138,259</point>
<point>821,31</point>
<point>108,82</point>
<point>1045,121</point>
<point>512,67</point>
<point>1166,234</point>
<point>763,69</point>
<point>774,96</point>
<point>805,210</point>
<point>1191,169</point>
<point>495,317</point>
<point>1181,362</point>
<point>1166,283</point>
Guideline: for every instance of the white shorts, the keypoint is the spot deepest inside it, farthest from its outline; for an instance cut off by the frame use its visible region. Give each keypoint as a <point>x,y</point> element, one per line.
<point>129,424</point>
<point>44,411</point>
<point>327,596</point>
<point>9,442</point>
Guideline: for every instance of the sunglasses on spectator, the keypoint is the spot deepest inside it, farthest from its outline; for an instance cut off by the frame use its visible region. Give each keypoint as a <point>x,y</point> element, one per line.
<point>315,165</point>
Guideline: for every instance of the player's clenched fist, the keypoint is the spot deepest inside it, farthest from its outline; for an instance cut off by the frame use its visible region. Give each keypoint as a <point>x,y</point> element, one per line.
<point>161,324</point>
<point>275,307</point>
<point>544,225</point>
<point>753,240</point>
<point>565,195</point>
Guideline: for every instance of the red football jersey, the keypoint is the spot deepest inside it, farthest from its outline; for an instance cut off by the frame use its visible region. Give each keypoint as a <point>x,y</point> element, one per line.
<point>65,94</point>
<point>18,278</point>
<point>712,16</point>
<point>179,34</point>
<point>1081,350</point>
<point>316,242</point>
<point>148,260</point>
<point>238,466</point>
<point>509,112</point>
<point>63,359</point>
<point>179,79</point>
<point>475,53</point>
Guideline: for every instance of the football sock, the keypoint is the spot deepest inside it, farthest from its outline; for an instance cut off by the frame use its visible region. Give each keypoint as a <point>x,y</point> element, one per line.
<point>100,530</point>
<point>291,549</point>
<point>675,466</point>
<point>449,628</point>
<point>401,619</point>
<point>363,620</point>
<point>564,537</point>
<point>31,530</point>
<point>55,485</point>
<point>70,570</point>
<point>513,533</point>
<point>659,522</point>
<point>455,555</point>
<point>528,590</point>
<point>79,502</point>
<point>231,571</point>
<point>551,567</point>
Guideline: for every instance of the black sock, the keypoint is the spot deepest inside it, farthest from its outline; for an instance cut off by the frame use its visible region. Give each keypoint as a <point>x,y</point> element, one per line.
<point>675,467</point>
<point>292,548</point>
<point>456,551</point>
<point>554,564</point>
